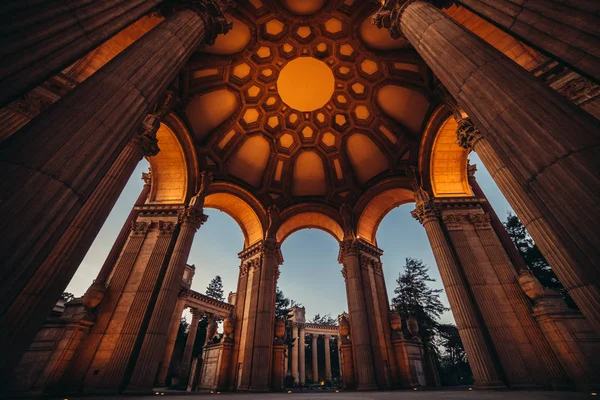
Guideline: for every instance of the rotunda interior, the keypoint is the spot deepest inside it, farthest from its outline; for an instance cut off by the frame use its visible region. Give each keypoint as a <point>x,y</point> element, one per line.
<point>286,115</point>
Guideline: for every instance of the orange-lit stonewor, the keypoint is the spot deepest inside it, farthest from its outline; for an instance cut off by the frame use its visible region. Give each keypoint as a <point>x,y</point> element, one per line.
<point>302,114</point>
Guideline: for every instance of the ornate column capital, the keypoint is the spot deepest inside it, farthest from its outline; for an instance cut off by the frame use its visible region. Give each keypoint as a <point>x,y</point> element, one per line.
<point>192,217</point>
<point>147,178</point>
<point>140,228</point>
<point>425,210</point>
<point>390,13</point>
<point>166,228</point>
<point>453,222</point>
<point>467,135</point>
<point>480,221</point>
<point>212,13</point>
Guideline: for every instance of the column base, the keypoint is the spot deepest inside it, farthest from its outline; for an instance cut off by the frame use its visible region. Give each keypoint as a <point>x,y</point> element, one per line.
<point>490,386</point>
<point>366,388</point>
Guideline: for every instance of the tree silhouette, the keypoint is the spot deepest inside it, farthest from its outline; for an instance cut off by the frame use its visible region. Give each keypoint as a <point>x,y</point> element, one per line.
<point>326,319</point>
<point>283,305</point>
<point>534,259</point>
<point>415,298</point>
<point>215,289</point>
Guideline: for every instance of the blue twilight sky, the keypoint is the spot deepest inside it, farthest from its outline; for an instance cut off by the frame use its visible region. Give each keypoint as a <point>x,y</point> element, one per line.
<point>310,273</point>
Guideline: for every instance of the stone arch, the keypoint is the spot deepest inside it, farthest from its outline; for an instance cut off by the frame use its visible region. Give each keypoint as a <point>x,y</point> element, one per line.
<point>174,168</point>
<point>240,205</point>
<point>309,216</point>
<point>442,162</point>
<point>374,205</point>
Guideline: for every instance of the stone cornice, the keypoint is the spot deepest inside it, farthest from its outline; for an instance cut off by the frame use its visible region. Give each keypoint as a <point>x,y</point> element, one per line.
<point>205,303</point>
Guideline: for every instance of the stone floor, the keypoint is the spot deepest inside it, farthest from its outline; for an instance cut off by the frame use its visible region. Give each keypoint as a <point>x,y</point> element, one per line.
<point>401,395</point>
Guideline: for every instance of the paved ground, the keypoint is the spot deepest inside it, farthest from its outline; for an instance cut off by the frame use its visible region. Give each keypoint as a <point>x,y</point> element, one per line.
<point>400,395</point>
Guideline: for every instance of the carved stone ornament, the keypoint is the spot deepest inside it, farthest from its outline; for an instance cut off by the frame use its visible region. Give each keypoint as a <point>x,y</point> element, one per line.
<point>166,228</point>
<point>197,202</point>
<point>274,221</point>
<point>467,135</point>
<point>147,178</point>
<point>453,222</point>
<point>347,221</point>
<point>480,221</point>
<point>146,144</point>
<point>425,210</point>
<point>140,228</point>
<point>193,217</point>
<point>212,13</point>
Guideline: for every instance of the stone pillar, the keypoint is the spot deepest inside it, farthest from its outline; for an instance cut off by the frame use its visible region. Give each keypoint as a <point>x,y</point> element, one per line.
<point>55,163</point>
<point>240,324</point>
<point>359,322</point>
<point>37,299</point>
<point>525,355</point>
<point>571,336</point>
<point>121,239</point>
<point>473,336</point>
<point>265,315</point>
<point>339,343</point>
<point>548,145</point>
<point>302,354</point>
<point>155,336</point>
<point>163,371</point>
<point>327,358</point>
<point>186,359</point>
<point>315,358</point>
<point>295,354</point>
<point>567,32</point>
<point>48,39</point>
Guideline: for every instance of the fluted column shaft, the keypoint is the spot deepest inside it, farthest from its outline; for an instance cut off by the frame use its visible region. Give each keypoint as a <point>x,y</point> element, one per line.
<point>481,359</point>
<point>548,144</point>
<point>265,317</point>
<point>32,306</point>
<point>359,323</point>
<point>295,354</point>
<point>155,337</point>
<point>327,358</point>
<point>339,348</point>
<point>52,166</point>
<point>302,354</point>
<point>557,246</point>
<point>170,345</point>
<point>566,31</point>
<point>186,359</point>
<point>121,239</point>
<point>315,358</point>
<point>44,37</point>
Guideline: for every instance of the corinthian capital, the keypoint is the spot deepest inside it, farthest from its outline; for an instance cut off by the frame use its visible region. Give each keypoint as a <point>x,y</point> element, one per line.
<point>467,135</point>
<point>212,13</point>
<point>389,16</point>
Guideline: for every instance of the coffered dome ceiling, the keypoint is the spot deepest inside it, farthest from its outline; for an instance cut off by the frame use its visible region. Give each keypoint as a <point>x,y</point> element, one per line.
<point>306,99</point>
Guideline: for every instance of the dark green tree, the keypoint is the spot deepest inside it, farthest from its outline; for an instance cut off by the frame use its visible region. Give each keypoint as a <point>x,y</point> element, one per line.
<point>534,259</point>
<point>66,297</point>
<point>283,305</point>
<point>455,369</point>
<point>215,289</point>
<point>326,319</point>
<point>415,297</point>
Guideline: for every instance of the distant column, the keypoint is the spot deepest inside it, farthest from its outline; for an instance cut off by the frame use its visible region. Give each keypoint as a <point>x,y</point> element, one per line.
<point>302,353</point>
<point>170,346</point>
<point>295,354</point>
<point>327,358</point>
<point>315,358</point>
<point>191,340</point>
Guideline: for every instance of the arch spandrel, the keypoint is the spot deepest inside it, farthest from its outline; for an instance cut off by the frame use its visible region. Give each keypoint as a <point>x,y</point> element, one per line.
<point>241,206</point>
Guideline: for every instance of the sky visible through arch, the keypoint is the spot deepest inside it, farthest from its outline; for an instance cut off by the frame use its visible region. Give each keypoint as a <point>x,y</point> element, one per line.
<point>310,273</point>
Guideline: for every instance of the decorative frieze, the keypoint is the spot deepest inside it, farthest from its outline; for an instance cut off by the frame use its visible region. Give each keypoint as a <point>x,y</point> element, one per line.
<point>140,228</point>
<point>480,221</point>
<point>453,222</point>
<point>166,228</point>
<point>212,13</point>
<point>467,135</point>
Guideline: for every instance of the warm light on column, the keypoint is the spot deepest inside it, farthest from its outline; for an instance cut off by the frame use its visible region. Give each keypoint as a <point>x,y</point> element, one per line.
<point>306,84</point>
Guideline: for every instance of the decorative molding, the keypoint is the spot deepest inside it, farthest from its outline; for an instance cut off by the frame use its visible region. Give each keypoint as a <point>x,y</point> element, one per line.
<point>453,222</point>
<point>467,135</point>
<point>140,228</point>
<point>212,13</point>
<point>480,221</point>
<point>166,228</point>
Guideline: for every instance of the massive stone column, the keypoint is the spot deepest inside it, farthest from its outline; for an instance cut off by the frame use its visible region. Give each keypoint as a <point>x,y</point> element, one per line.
<point>302,353</point>
<point>163,371</point>
<point>295,348</point>
<point>186,359</point>
<point>36,300</point>
<point>522,350</point>
<point>327,339</point>
<point>315,358</point>
<point>472,333</point>
<point>549,146</point>
<point>45,38</point>
<point>359,321</point>
<point>339,344</point>
<point>53,165</point>
<point>155,336</point>
<point>565,31</point>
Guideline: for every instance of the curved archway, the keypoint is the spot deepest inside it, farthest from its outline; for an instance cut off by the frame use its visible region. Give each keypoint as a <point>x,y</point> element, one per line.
<point>377,208</point>
<point>241,206</point>
<point>169,169</point>
<point>309,220</point>
<point>442,162</point>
